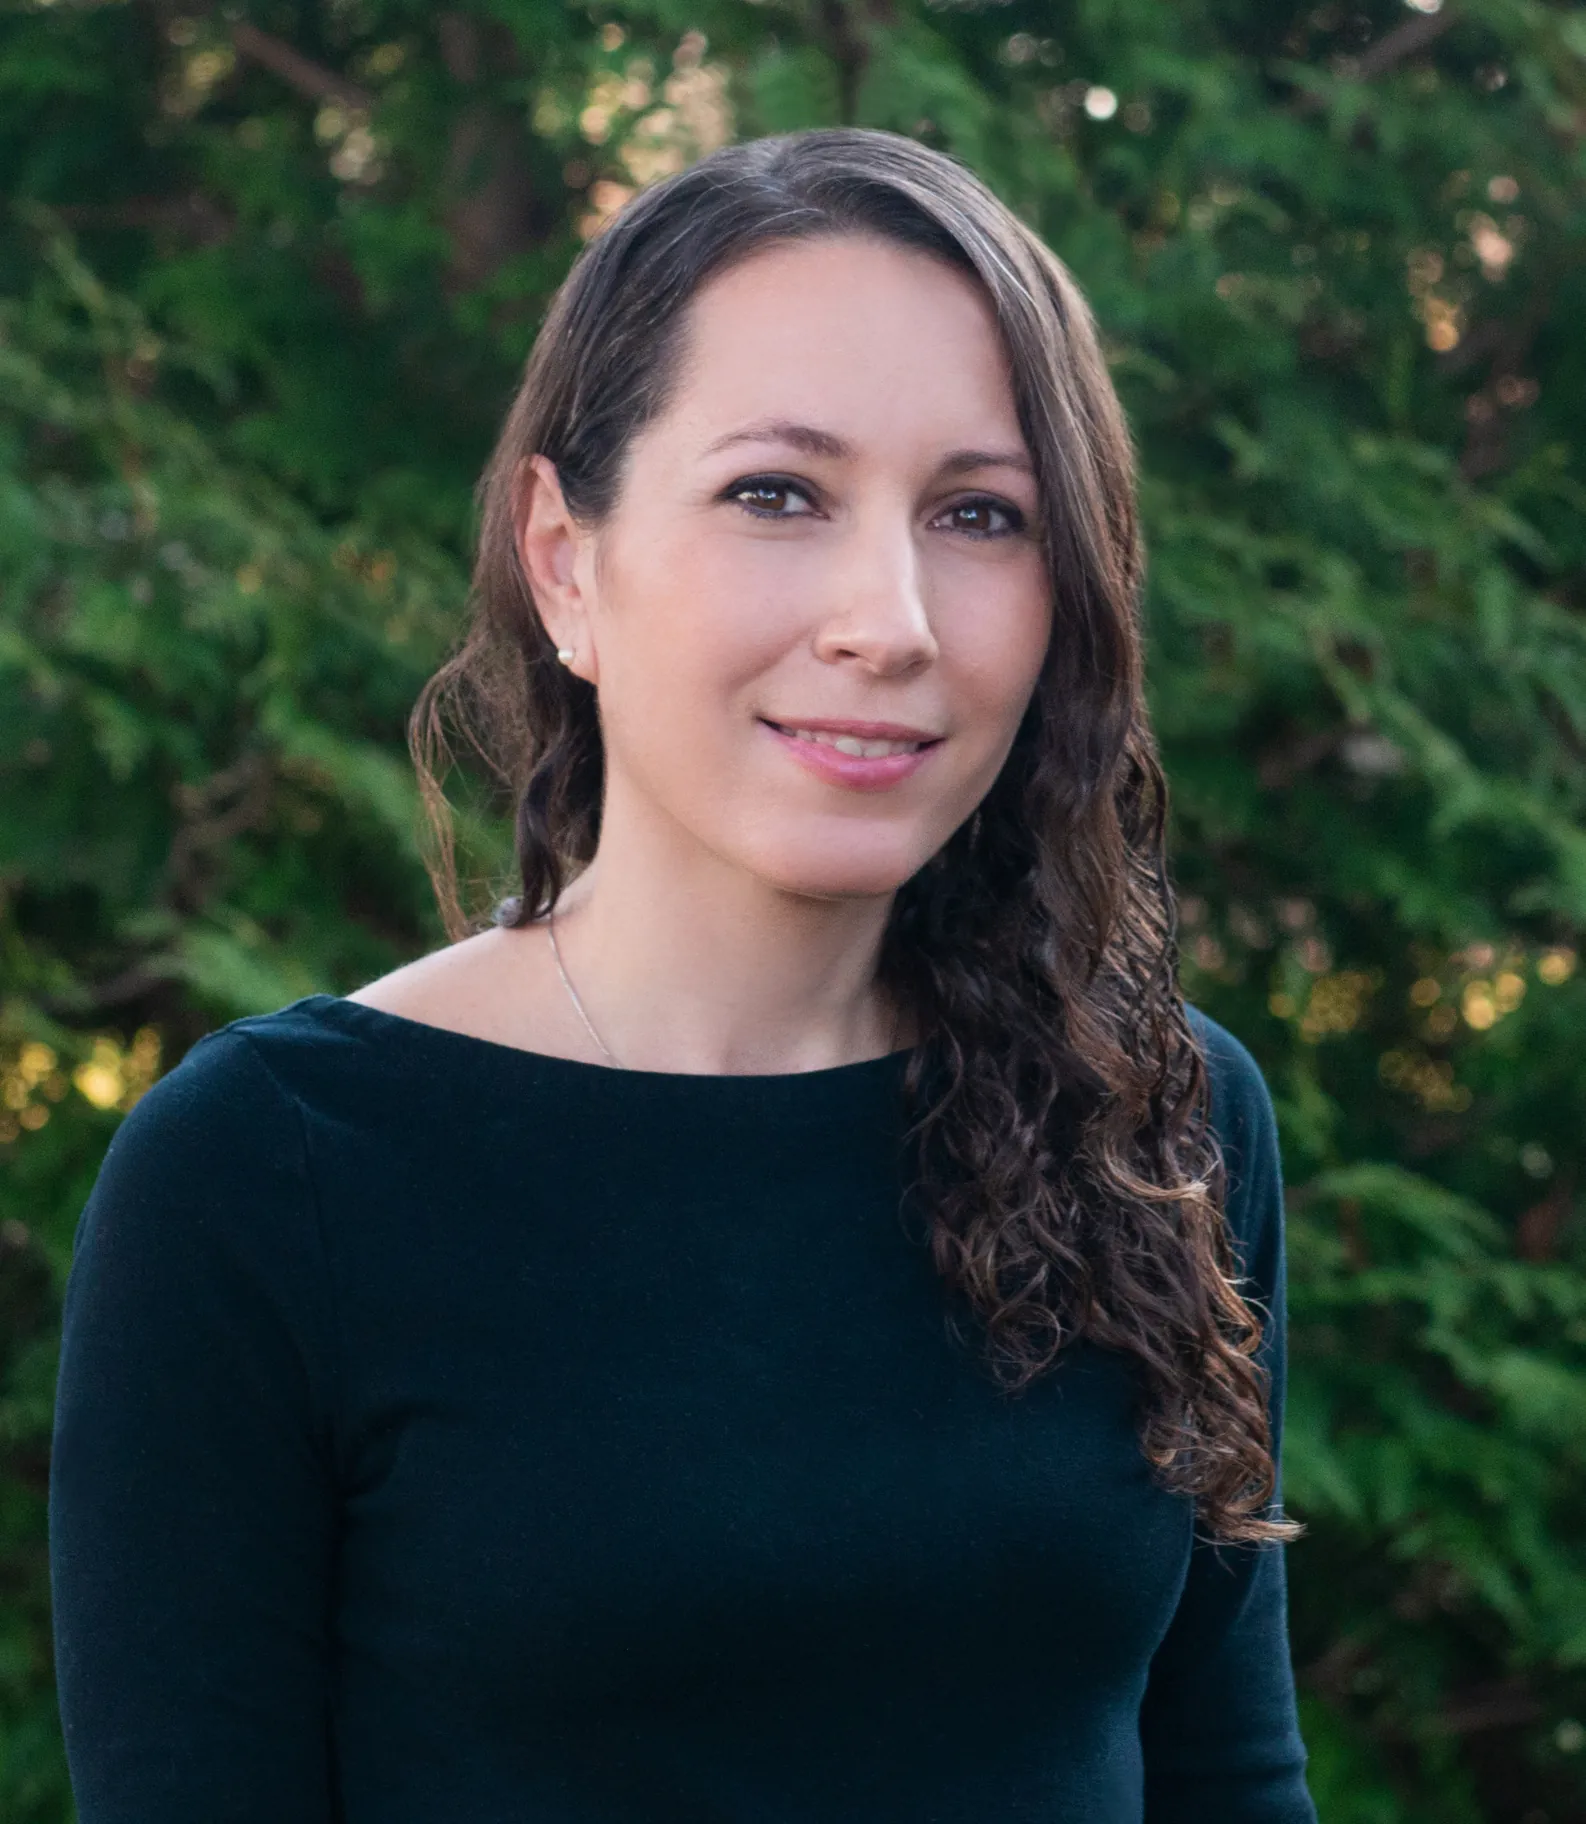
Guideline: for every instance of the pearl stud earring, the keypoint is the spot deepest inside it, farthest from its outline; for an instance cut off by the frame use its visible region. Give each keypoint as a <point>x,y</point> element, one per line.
<point>565,654</point>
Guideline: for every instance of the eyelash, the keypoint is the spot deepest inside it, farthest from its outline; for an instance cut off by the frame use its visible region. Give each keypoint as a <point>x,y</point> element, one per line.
<point>750,482</point>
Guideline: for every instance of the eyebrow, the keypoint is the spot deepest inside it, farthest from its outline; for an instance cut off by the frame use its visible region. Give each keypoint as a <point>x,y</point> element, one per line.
<point>816,442</point>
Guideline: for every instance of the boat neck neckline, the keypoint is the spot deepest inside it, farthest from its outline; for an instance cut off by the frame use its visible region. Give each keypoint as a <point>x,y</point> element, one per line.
<point>359,1014</point>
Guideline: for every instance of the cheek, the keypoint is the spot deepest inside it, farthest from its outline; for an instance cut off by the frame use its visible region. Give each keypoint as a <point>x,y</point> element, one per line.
<point>993,632</point>
<point>696,623</point>
<point>685,639</point>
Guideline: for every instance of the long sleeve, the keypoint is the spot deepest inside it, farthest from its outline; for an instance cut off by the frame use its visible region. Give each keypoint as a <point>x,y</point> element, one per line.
<point>1219,1727</point>
<point>192,1516</point>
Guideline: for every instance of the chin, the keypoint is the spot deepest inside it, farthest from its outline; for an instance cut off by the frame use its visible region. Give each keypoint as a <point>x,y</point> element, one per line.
<point>855,869</point>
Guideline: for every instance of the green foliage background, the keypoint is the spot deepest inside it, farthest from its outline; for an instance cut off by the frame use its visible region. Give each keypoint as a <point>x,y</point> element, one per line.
<point>267,273</point>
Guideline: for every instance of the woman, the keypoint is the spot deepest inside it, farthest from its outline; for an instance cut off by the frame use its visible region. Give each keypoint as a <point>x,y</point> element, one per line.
<point>787,1321</point>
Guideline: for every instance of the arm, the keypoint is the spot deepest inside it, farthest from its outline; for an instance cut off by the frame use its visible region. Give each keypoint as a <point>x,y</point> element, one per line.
<point>1218,1723</point>
<point>191,1488</point>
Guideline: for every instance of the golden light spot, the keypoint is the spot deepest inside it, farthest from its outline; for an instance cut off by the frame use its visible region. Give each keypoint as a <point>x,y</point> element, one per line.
<point>100,1081</point>
<point>250,579</point>
<point>113,1077</point>
<point>1508,990</point>
<point>1555,966</point>
<point>143,1059</point>
<point>601,107</point>
<point>1430,1081</point>
<point>1478,1005</point>
<point>1492,247</point>
<point>206,68</point>
<point>1282,1005</point>
<point>26,1076</point>
<point>1335,1004</point>
<point>1424,992</point>
<point>1444,323</point>
<point>358,160</point>
<point>196,77</point>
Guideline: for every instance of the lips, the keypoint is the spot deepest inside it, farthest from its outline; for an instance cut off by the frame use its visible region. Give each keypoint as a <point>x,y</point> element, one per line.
<point>861,756</point>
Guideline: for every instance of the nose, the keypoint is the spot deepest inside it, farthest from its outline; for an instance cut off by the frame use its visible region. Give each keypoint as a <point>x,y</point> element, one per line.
<point>879,611</point>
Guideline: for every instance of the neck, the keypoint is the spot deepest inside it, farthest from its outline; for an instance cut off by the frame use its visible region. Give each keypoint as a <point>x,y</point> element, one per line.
<point>685,963</point>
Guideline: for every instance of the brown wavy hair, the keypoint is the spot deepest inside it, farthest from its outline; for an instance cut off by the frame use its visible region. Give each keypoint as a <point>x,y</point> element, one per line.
<point>1071,1182</point>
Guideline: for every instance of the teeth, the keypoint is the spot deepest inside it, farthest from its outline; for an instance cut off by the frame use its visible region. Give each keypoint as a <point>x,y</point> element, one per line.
<point>851,744</point>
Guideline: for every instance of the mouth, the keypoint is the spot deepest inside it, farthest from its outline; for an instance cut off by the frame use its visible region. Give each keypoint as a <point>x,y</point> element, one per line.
<point>855,756</point>
<point>859,740</point>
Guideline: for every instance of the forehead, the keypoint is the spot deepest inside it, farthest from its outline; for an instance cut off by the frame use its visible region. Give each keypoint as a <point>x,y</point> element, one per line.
<point>875,339</point>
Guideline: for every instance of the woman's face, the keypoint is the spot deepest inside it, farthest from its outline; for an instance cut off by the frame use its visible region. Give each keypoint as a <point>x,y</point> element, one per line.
<point>830,534</point>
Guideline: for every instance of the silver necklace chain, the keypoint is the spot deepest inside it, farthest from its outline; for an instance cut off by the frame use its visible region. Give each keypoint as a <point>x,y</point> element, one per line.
<point>572,992</point>
<point>589,1024</point>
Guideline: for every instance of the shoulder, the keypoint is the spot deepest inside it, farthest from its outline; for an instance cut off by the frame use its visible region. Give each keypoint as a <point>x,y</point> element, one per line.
<point>1240,1095</point>
<point>1241,1104</point>
<point>249,1082</point>
<point>1245,1124</point>
<point>203,1197</point>
<point>221,1093</point>
<point>224,1129</point>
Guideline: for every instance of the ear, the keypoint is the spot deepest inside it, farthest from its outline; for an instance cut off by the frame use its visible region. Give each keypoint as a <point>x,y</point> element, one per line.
<point>553,549</point>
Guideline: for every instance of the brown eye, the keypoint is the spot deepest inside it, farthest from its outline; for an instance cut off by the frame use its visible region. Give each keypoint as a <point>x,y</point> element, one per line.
<point>763,494</point>
<point>768,497</point>
<point>985,518</point>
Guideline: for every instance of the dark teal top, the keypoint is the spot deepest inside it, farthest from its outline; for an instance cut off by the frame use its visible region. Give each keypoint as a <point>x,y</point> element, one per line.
<point>454,1434</point>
